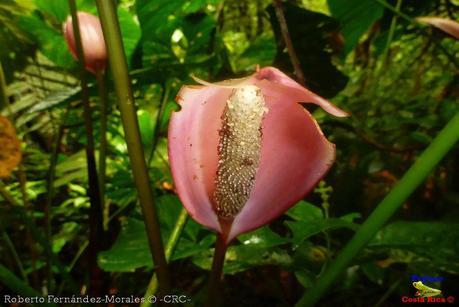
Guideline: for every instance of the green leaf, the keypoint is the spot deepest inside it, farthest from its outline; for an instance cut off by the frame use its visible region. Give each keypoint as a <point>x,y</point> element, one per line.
<point>437,241</point>
<point>55,98</point>
<point>261,51</point>
<point>49,39</point>
<point>356,17</point>
<point>262,237</point>
<point>130,251</point>
<point>130,30</point>
<point>304,211</point>
<point>243,257</point>
<point>302,230</point>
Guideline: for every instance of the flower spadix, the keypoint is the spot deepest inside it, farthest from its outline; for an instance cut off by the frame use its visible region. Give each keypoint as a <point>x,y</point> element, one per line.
<point>243,151</point>
<point>92,39</point>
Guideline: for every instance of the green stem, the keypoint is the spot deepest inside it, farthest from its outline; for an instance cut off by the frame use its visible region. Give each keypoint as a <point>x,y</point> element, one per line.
<point>390,37</point>
<point>15,255</point>
<point>103,141</point>
<point>119,68</point>
<point>95,214</point>
<point>18,286</point>
<point>50,196</point>
<point>213,289</point>
<point>170,247</point>
<point>417,173</point>
<point>3,94</point>
<point>158,121</point>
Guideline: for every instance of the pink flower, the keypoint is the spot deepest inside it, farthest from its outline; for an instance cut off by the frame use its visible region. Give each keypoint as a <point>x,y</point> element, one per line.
<point>92,39</point>
<point>243,151</point>
<point>448,26</point>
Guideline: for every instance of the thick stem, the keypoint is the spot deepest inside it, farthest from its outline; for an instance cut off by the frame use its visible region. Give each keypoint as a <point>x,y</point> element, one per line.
<point>3,94</point>
<point>118,65</point>
<point>213,289</point>
<point>170,247</point>
<point>417,173</point>
<point>288,42</point>
<point>95,213</point>
<point>103,101</point>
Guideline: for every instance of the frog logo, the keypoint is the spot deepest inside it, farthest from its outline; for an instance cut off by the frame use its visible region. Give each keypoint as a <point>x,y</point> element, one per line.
<point>425,291</point>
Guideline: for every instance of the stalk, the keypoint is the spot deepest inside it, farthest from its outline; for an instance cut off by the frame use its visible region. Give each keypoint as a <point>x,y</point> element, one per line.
<point>288,42</point>
<point>103,101</point>
<point>18,286</point>
<point>393,24</point>
<point>15,255</point>
<point>170,247</point>
<point>213,289</point>
<point>50,196</point>
<point>119,68</point>
<point>3,95</point>
<point>417,173</point>
<point>95,213</point>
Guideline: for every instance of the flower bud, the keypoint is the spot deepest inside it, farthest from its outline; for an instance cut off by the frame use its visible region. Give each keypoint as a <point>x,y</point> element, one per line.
<point>92,39</point>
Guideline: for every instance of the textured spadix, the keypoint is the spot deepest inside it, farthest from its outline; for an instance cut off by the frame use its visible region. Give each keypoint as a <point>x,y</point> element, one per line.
<point>92,39</point>
<point>277,150</point>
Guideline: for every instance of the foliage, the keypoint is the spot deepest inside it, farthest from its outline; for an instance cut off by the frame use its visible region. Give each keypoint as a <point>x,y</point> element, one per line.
<point>397,79</point>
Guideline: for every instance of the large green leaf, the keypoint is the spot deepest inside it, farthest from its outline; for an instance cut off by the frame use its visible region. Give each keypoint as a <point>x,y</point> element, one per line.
<point>356,17</point>
<point>130,250</point>
<point>436,241</point>
<point>309,221</point>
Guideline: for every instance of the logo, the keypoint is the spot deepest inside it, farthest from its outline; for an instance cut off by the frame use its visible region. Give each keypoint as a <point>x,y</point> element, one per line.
<point>424,291</point>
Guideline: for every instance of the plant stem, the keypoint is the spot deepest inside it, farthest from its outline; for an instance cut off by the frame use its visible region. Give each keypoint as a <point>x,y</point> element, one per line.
<point>417,173</point>
<point>216,272</point>
<point>103,140</point>
<point>119,68</point>
<point>159,117</point>
<point>95,212</point>
<point>390,37</point>
<point>3,95</point>
<point>50,196</point>
<point>288,42</point>
<point>18,286</point>
<point>170,247</point>
<point>15,255</point>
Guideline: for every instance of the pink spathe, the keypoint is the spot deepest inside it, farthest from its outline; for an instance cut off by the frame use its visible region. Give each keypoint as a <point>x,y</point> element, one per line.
<point>294,155</point>
<point>92,39</point>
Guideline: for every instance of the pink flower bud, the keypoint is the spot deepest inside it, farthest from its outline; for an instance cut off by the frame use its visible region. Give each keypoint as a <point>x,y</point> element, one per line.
<point>448,26</point>
<point>92,39</point>
<point>244,151</point>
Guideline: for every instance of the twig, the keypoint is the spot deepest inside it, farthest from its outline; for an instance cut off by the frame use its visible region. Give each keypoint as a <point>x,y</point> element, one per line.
<point>288,42</point>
